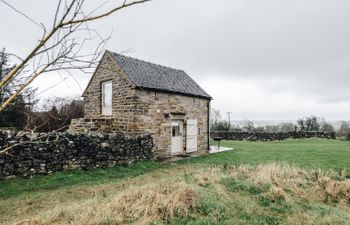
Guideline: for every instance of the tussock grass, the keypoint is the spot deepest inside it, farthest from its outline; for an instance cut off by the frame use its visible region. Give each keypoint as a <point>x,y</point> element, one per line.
<point>161,201</point>
<point>272,193</point>
<point>155,202</point>
<point>338,191</point>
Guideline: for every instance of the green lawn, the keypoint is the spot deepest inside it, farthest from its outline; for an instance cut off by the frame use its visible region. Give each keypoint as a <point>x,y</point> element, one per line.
<point>19,186</point>
<point>211,189</point>
<point>307,153</point>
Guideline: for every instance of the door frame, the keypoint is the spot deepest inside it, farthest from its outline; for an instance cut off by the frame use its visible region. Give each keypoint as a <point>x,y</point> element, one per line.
<point>180,136</point>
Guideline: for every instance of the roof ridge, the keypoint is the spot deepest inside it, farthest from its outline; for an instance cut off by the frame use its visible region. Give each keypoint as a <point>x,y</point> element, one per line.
<point>141,60</point>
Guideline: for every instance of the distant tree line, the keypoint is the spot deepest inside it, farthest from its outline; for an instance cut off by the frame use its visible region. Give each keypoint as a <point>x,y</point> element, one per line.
<point>13,115</point>
<point>25,112</point>
<point>54,114</point>
<point>344,127</point>
<point>307,124</point>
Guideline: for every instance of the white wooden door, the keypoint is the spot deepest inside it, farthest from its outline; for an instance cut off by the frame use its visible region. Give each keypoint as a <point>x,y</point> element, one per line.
<point>176,137</point>
<point>191,135</point>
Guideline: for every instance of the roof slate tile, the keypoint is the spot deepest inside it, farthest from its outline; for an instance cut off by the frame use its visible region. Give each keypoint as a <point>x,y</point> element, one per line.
<point>157,77</point>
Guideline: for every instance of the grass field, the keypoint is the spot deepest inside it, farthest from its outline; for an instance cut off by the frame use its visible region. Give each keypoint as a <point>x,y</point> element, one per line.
<point>305,153</point>
<point>257,183</point>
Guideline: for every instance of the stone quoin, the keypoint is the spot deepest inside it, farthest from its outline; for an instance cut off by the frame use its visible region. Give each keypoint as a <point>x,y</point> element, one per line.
<point>137,97</point>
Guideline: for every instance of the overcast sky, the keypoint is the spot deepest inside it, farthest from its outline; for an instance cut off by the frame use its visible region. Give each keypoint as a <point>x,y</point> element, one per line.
<point>259,59</point>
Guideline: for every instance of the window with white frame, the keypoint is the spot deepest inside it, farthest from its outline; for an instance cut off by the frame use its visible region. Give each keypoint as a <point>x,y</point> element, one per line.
<point>107,98</point>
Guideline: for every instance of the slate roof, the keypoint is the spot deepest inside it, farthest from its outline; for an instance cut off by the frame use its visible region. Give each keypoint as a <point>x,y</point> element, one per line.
<point>156,77</point>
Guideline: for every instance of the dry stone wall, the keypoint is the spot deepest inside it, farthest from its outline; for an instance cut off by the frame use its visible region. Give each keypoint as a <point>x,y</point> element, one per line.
<point>63,151</point>
<point>247,136</point>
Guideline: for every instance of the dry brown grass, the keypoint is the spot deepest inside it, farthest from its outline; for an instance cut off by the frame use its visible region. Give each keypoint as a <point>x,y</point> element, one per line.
<point>308,184</point>
<point>206,176</point>
<point>275,194</point>
<point>152,202</point>
<point>176,192</point>
<point>338,191</point>
<point>138,204</point>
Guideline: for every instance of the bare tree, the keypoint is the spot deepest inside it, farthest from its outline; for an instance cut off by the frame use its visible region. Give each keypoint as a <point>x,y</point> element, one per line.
<point>287,127</point>
<point>344,127</point>
<point>248,125</point>
<point>53,114</point>
<point>215,117</point>
<point>61,46</point>
<point>272,128</point>
<point>312,123</point>
<point>13,115</point>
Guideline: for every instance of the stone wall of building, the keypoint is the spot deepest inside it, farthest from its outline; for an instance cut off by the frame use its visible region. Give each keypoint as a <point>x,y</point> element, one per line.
<point>153,116</point>
<point>161,108</point>
<point>86,125</point>
<point>53,152</point>
<point>136,111</point>
<point>125,104</point>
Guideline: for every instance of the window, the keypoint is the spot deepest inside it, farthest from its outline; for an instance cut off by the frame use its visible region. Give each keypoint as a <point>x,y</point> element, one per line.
<point>176,129</point>
<point>107,98</point>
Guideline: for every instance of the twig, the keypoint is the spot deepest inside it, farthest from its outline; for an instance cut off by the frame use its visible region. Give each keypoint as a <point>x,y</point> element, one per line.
<point>4,151</point>
<point>59,49</point>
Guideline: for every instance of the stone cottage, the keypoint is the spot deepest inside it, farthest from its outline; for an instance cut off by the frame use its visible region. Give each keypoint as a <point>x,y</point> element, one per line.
<point>138,97</point>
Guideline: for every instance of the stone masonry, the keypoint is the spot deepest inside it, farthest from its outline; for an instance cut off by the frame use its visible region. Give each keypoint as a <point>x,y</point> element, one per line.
<point>52,152</point>
<point>137,111</point>
<point>161,108</point>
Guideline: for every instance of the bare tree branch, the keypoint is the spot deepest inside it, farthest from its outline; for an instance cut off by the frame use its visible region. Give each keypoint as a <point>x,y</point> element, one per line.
<point>23,14</point>
<point>61,48</point>
<point>91,18</point>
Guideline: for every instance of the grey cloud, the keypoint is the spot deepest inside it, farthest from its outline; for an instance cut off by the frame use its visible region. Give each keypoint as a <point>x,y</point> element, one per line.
<point>297,48</point>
